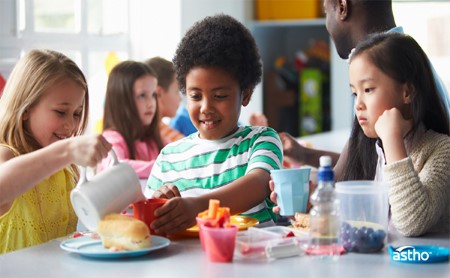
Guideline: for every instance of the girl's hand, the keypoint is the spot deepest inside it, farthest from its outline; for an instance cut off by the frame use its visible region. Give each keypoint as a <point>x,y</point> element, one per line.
<point>176,215</point>
<point>391,128</point>
<point>168,191</point>
<point>392,125</point>
<point>88,150</point>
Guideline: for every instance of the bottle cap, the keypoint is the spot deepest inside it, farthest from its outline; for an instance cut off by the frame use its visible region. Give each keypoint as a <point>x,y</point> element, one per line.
<point>325,172</point>
<point>325,160</point>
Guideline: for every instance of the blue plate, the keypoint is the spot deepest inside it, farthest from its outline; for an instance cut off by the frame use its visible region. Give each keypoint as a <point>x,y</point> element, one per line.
<point>419,254</point>
<point>88,247</point>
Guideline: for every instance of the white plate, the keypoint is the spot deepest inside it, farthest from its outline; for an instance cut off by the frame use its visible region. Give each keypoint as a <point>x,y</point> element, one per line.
<point>86,246</point>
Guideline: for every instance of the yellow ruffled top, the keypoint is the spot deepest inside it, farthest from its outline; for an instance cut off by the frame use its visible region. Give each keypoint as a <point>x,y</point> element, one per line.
<point>41,214</point>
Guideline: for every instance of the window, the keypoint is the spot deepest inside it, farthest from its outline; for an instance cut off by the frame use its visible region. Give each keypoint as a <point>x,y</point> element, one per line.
<point>430,28</point>
<point>87,31</point>
<point>54,16</point>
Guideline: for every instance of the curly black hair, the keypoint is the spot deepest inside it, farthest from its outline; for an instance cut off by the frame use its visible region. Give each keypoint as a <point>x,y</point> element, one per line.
<point>219,41</point>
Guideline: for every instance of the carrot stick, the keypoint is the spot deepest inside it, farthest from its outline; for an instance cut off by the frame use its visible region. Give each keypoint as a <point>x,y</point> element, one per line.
<point>213,207</point>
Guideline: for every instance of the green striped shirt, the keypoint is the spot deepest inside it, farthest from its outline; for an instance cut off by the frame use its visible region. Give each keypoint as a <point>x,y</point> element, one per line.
<point>197,166</point>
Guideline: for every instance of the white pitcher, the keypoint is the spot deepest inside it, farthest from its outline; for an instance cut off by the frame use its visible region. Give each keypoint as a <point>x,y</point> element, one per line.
<point>110,191</point>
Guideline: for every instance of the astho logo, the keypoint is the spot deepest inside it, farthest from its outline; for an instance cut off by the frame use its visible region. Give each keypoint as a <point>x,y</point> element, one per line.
<point>410,254</point>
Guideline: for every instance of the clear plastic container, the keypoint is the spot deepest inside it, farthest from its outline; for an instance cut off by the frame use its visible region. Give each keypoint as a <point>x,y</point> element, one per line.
<point>270,243</point>
<point>364,209</point>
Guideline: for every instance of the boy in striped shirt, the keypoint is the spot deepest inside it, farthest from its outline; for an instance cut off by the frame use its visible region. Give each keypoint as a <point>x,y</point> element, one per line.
<point>218,67</point>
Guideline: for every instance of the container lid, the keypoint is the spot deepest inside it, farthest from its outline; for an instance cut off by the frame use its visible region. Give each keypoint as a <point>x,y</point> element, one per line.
<point>361,187</point>
<point>419,254</point>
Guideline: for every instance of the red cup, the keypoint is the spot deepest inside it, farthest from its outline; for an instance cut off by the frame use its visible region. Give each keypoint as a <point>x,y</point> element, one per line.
<point>219,243</point>
<point>145,211</point>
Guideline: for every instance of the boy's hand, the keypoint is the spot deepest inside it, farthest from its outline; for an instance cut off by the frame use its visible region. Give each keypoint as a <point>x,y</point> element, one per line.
<point>168,191</point>
<point>273,196</point>
<point>176,215</point>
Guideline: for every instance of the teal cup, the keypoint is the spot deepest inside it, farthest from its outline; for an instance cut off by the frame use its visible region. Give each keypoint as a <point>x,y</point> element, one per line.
<point>292,188</point>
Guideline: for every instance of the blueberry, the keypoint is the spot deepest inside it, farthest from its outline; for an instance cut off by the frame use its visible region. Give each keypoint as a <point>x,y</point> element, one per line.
<point>381,234</point>
<point>361,234</point>
<point>345,226</point>
<point>363,230</point>
<point>345,235</point>
<point>347,245</point>
<point>374,244</point>
<point>353,247</point>
<point>353,233</point>
<point>364,239</point>
<point>372,237</point>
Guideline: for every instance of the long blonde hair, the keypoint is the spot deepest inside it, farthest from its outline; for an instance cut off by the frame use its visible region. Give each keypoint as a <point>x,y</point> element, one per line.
<point>30,79</point>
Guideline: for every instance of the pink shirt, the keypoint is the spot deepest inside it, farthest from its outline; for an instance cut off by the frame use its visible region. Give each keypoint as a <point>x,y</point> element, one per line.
<point>146,153</point>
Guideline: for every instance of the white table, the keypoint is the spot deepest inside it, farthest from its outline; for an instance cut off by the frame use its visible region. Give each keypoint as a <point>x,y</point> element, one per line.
<point>185,258</point>
<point>331,140</point>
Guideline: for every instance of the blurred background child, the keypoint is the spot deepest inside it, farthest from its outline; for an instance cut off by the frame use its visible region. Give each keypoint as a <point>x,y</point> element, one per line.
<point>130,120</point>
<point>218,66</point>
<point>182,122</point>
<point>43,112</point>
<point>168,95</point>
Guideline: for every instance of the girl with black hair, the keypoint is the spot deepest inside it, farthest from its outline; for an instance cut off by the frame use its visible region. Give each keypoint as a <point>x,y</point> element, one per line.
<point>401,131</point>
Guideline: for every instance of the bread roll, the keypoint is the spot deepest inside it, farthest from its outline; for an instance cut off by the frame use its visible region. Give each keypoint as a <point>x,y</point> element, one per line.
<point>123,232</point>
<point>301,221</point>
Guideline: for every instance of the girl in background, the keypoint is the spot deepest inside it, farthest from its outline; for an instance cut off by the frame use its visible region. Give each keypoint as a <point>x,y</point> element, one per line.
<point>43,110</point>
<point>130,120</point>
<point>401,132</point>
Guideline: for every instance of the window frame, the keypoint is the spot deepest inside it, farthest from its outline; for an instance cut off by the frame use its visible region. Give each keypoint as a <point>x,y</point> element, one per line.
<point>14,42</point>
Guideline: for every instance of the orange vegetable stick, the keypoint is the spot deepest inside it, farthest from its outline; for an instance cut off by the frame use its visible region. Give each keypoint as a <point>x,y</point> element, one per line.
<point>213,207</point>
<point>226,212</point>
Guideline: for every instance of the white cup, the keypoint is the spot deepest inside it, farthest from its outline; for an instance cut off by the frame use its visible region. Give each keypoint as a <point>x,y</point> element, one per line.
<point>110,191</point>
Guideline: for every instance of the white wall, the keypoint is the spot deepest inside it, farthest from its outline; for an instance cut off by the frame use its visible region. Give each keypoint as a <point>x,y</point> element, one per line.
<point>158,33</point>
<point>341,99</point>
<point>154,28</point>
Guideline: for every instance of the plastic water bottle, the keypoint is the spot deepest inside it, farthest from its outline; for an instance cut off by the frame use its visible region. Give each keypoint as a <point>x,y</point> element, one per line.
<point>324,216</point>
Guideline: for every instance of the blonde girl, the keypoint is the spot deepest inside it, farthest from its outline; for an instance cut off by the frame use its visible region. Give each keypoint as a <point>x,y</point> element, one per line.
<point>43,110</point>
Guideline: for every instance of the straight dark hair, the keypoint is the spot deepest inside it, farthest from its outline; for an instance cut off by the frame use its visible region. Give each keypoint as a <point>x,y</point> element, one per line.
<point>400,57</point>
<point>120,112</point>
